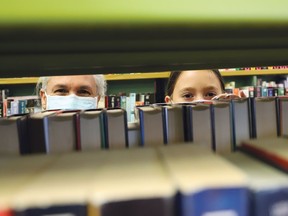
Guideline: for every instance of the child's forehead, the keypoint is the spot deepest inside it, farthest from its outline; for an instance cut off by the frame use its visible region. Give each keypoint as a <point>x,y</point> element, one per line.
<point>198,78</point>
<point>198,74</point>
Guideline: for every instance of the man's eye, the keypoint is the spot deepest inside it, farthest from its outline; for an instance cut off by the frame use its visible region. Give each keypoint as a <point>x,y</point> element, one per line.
<point>60,92</point>
<point>84,93</point>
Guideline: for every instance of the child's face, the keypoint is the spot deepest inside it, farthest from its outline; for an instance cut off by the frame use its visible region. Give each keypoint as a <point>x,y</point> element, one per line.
<point>195,85</point>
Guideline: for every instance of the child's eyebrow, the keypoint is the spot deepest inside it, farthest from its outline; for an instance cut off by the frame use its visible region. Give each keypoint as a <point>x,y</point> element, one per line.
<point>210,87</point>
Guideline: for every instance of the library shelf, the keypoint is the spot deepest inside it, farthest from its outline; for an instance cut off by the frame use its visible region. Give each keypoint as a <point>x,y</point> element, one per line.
<point>150,75</point>
<point>130,76</point>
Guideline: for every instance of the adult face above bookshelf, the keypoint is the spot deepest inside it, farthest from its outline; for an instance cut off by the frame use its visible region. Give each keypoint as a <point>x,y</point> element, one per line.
<point>71,92</point>
<point>187,86</point>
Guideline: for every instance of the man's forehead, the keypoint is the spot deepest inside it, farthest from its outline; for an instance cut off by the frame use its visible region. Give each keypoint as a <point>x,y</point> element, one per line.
<point>81,80</point>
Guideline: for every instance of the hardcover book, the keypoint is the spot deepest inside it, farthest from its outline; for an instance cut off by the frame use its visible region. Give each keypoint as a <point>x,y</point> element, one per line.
<point>66,185</point>
<point>92,129</point>
<point>272,150</point>
<point>132,182</point>
<point>17,173</point>
<point>151,125</point>
<point>53,131</point>
<point>207,183</point>
<point>102,183</point>
<point>264,117</point>
<point>268,186</point>
<point>173,120</point>
<point>199,126</point>
<point>283,116</point>
<point>241,120</point>
<point>116,128</point>
<point>222,126</point>
<point>13,133</point>
<point>63,131</point>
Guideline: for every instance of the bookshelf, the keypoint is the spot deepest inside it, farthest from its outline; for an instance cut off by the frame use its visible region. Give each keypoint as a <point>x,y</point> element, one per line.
<point>255,72</point>
<point>108,77</point>
<point>143,81</point>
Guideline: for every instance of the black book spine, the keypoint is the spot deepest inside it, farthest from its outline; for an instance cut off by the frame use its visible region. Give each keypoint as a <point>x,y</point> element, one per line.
<point>73,210</point>
<point>141,123</point>
<point>126,128</point>
<point>165,124</point>
<point>212,114</point>
<point>188,123</point>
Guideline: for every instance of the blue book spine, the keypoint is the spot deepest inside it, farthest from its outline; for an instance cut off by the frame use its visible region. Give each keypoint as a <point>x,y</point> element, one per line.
<point>270,202</point>
<point>264,92</point>
<point>220,201</point>
<point>22,106</point>
<point>142,131</point>
<point>165,124</point>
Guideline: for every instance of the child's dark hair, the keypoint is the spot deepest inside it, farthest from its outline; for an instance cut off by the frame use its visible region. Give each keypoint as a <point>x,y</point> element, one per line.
<point>174,75</point>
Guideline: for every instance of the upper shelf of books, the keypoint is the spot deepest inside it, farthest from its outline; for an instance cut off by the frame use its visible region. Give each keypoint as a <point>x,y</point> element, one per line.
<point>119,36</point>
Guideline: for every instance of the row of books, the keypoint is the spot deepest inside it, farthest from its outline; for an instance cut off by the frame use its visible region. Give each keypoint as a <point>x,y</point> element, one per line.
<point>119,101</point>
<point>175,180</point>
<point>259,91</point>
<point>128,101</point>
<point>32,104</point>
<point>19,105</point>
<point>260,88</point>
<point>282,67</point>
<point>222,124</point>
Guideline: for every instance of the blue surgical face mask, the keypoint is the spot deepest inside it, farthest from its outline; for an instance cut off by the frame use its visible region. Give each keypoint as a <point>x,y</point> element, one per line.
<point>70,102</point>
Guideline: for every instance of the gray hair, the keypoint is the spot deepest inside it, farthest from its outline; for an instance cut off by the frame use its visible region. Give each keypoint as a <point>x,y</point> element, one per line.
<point>101,84</point>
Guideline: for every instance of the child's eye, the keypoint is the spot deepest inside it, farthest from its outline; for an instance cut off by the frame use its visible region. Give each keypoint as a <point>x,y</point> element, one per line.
<point>188,96</point>
<point>210,95</point>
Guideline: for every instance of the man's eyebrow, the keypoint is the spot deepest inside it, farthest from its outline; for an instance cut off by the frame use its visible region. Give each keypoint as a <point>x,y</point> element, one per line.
<point>59,86</point>
<point>85,87</point>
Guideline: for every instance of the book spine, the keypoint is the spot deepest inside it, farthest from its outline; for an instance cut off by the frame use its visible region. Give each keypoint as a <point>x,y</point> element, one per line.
<point>126,128</point>
<point>165,124</point>
<point>188,123</point>
<point>22,127</point>
<point>142,130</point>
<point>77,131</point>
<point>222,201</point>
<point>75,210</point>
<point>212,114</point>
<point>105,131</point>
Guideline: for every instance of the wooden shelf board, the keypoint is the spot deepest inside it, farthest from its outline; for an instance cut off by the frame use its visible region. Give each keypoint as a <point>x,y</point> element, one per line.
<point>254,72</point>
<point>13,81</point>
<point>152,75</point>
<point>132,76</point>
